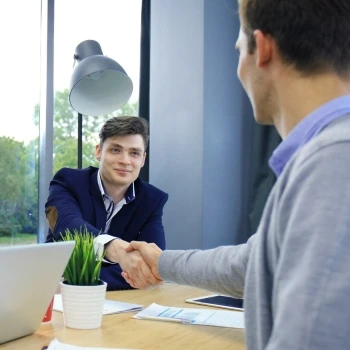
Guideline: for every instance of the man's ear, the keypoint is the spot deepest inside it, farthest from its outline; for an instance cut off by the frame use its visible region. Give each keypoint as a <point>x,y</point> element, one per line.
<point>264,48</point>
<point>144,158</point>
<point>98,152</point>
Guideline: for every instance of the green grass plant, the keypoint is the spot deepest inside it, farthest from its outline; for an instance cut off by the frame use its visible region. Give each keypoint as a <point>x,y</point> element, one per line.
<point>84,265</point>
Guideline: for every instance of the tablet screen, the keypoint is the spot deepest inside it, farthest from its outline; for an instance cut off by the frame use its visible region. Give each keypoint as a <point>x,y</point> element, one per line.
<point>218,301</point>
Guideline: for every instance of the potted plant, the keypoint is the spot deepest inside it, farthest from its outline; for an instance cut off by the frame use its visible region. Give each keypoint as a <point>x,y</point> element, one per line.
<point>83,293</point>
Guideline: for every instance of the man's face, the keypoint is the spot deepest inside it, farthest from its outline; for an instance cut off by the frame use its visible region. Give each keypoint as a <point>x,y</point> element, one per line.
<point>254,81</point>
<point>121,159</point>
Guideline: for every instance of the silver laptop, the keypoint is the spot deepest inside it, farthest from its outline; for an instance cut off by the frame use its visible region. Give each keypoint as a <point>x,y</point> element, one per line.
<point>29,276</point>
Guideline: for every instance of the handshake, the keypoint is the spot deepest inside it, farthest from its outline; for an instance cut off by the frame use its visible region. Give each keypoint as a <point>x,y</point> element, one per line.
<point>138,260</point>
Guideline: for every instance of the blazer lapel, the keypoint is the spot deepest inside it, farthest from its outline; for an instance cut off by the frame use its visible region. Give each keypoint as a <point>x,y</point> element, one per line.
<point>121,221</point>
<point>122,218</point>
<point>100,211</point>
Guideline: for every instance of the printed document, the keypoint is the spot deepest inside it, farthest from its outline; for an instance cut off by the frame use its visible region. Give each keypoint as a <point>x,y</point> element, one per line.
<point>205,317</point>
<point>57,345</point>
<point>109,307</point>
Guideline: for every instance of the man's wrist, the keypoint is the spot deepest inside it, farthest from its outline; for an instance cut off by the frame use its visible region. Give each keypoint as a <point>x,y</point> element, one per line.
<point>100,243</point>
<point>115,249</point>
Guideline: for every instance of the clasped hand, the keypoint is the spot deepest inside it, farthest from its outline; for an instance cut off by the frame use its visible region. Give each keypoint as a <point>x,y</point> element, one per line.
<point>138,260</point>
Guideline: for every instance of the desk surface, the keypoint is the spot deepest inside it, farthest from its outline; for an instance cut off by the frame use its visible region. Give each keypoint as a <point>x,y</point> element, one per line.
<point>122,331</point>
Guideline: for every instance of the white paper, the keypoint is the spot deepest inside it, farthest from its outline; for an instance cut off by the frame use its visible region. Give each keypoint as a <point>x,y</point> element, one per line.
<point>110,306</point>
<point>218,318</point>
<point>57,345</point>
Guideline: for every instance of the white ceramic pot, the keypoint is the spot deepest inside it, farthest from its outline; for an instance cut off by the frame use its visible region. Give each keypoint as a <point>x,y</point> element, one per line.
<point>83,305</point>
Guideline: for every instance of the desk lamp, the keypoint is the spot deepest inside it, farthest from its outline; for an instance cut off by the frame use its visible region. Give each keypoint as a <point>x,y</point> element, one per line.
<point>99,85</point>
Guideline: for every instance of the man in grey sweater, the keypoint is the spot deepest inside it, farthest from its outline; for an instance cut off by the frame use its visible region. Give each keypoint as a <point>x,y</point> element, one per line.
<point>293,273</point>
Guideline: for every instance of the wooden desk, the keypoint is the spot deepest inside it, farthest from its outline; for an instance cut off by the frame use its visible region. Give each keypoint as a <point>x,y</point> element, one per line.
<point>122,331</point>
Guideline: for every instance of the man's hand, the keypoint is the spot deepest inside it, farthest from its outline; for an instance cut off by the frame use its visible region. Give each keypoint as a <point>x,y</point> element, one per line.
<point>114,249</point>
<point>138,272</point>
<point>150,252</point>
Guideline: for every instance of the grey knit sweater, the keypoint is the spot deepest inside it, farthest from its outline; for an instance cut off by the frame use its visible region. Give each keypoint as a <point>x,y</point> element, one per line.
<point>294,272</point>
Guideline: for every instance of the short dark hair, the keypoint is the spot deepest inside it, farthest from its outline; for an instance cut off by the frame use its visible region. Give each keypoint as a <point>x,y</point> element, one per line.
<point>311,35</point>
<point>123,126</point>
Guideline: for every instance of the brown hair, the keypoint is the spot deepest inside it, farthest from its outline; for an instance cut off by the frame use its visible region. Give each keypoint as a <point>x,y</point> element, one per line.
<point>312,35</point>
<point>122,126</point>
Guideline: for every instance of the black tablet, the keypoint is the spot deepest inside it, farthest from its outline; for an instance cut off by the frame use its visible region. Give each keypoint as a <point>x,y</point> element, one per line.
<point>217,300</point>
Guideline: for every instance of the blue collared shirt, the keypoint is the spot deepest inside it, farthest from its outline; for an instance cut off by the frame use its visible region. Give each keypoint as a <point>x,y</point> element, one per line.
<point>112,208</point>
<point>307,129</point>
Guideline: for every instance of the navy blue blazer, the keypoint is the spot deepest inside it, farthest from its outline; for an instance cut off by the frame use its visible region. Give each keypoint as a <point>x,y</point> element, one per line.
<point>75,201</point>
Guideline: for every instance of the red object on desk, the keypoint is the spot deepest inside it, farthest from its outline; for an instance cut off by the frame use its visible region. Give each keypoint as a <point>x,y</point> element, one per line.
<point>48,314</point>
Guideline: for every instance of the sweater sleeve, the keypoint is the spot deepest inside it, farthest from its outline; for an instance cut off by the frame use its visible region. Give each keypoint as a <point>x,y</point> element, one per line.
<point>221,270</point>
<point>310,301</point>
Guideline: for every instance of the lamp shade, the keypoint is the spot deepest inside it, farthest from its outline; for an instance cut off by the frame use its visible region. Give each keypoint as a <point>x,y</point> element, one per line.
<point>99,85</point>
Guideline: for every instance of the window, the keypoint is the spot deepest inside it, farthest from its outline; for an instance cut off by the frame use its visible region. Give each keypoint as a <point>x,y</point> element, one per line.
<point>116,26</point>
<point>19,132</point>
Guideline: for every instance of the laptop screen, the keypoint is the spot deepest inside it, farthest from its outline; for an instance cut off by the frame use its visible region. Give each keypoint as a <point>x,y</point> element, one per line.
<point>29,277</point>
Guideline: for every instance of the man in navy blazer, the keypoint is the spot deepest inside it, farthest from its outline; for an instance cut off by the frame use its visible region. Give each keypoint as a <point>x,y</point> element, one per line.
<point>111,201</point>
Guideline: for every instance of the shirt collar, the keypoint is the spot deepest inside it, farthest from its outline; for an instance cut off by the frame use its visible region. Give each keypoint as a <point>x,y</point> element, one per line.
<point>129,194</point>
<point>307,129</point>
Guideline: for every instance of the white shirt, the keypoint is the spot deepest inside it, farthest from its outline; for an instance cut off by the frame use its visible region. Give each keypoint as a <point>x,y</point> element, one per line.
<point>112,209</point>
